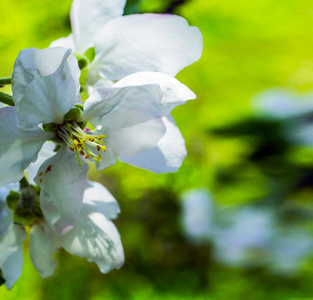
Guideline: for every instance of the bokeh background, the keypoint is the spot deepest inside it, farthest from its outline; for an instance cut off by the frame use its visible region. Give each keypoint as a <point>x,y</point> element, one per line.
<point>245,162</point>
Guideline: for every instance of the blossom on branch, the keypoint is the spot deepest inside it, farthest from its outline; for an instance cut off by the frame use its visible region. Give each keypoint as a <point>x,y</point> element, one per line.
<point>131,119</point>
<point>94,236</point>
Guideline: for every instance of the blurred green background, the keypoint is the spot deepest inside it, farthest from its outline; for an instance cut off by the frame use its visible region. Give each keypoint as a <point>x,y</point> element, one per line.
<point>249,46</point>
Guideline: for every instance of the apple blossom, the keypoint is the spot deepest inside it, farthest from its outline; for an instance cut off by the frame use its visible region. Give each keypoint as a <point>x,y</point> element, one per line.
<point>94,236</point>
<point>123,45</point>
<point>132,118</point>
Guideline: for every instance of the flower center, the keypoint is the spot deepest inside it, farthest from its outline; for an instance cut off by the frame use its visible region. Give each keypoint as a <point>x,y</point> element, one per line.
<point>79,141</point>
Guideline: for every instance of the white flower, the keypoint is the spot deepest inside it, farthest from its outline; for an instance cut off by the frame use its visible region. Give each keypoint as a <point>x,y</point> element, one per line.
<point>247,236</point>
<point>94,236</point>
<point>197,215</point>
<point>244,241</point>
<point>293,112</point>
<point>132,119</point>
<point>290,249</point>
<point>129,44</point>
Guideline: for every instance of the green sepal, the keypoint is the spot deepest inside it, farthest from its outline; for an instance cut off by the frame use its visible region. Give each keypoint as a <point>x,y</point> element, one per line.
<point>12,199</point>
<point>82,125</point>
<point>2,280</point>
<point>49,127</point>
<point>57,140</point>
<point>5,80</point>
<point>80,106</point>
<point>57,148</point>
<point>90,53</point>
<point>73,114</point>
<point>82,60</point>
<point>6,99</point>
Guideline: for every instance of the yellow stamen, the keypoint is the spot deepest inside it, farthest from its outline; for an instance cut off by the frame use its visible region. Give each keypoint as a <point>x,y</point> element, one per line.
<point>80,141</point>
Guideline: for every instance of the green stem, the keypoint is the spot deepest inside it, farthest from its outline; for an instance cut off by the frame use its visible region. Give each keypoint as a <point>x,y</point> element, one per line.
<point>6,99</point>
<point>5,80</point>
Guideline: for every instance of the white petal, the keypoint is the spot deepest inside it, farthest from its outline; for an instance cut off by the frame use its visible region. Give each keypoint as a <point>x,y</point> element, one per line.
<point>88,16</point>
<point>62,182</point>
<point>11,254</point>
<point>135,99</point>
<point>131,140</point>
<point>168,154</point>
<point>33,62</point>
<point>116,108</point>
<point>19,147</point>
<point>173,91</point>
<point>45,153</point>
<point>45,85</point>
<point>41,247</point>
<point>96,238</point>
<point>67,42</point>
<point>148,42</point>
<point>96,194</point>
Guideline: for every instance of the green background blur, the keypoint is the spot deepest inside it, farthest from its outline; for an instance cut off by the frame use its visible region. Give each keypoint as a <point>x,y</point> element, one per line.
<point>249,46</point>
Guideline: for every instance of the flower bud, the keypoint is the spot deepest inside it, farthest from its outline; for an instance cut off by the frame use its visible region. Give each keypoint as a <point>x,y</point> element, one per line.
<point>12,200</point>
<point>73,114</point>
<point>90,53</point>
<point>82,60</point>
<point>25,211</point>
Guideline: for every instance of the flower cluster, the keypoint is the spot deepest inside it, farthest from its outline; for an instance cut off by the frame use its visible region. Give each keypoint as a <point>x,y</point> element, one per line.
<point>125,65</point>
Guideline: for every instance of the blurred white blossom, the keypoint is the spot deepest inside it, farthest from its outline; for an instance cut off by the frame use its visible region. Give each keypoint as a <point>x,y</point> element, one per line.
<point>294,112</point>
<point>197,215</point>
<point>247,236</point>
